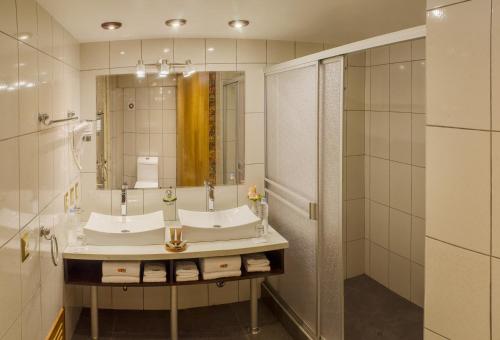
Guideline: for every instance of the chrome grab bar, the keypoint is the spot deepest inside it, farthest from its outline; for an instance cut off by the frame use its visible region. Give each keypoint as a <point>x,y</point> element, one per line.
<point>300,211</point>
<point>45,118</point>
<point>54,245</point>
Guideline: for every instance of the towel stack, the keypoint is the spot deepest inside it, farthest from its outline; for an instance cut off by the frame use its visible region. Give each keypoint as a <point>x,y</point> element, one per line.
<point>256,263</point>
<point>154,272</point>
<point>121,272</point>
<point>219,267</point>
<point>186,271</point>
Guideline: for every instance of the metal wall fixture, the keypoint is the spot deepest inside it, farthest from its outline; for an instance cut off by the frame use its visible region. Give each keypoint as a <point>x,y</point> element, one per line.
<point>44,118</point>
<point>164,68</point>
<point>54,246</point>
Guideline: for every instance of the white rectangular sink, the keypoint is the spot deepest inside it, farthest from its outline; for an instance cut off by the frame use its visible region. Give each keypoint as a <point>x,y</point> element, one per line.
<point>138,230</point>
<point>231,224</point>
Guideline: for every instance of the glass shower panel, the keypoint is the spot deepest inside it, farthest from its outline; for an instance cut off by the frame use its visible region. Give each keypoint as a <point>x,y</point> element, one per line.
<point>291,184</point>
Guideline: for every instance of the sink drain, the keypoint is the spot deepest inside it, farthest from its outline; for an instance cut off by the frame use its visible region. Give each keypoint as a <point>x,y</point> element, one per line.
<point>125,231</point>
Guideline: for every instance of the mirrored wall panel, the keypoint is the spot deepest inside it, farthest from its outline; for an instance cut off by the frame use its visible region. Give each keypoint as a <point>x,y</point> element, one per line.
<point>173,131</point>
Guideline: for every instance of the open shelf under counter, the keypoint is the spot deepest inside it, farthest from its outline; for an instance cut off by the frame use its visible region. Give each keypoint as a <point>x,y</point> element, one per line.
<point>83,264</point>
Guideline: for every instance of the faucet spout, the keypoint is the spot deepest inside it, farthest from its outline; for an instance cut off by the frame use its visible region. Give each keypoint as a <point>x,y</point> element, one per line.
<point>210,192</point>
<point>124,200</point>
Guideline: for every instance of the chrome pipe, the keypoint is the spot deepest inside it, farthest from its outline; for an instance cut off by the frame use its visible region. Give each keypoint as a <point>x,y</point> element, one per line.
<point>174,335</point>
<point>94,314</point>
<point>254,306</point>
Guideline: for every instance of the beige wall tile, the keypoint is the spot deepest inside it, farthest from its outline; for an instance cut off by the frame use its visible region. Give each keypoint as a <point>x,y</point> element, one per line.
<point>355,216</point>
<point>280,51</point>
<point>355,177</point>
<point>418,140</point>
<point>417,284</point>
<point>418,240</point>
<point>401,87</point>
<point>250,51</point>
<point>379,134</point>
<point>27,21</point>
<point>306,48</point>
<point>400,235</point>
<point>44,30</point>
<point>457,291</point>
<point>28,177</point>
<point>94,56</point>
<point>254,136</point>
<point>418,96</point>
<point>124,53</point>
<point>400,139</point>
<point>355,257</point>
<point>400,52</point>
<point>418,191</point>
<point>418,49</point>
<point>9,188</point>
<point>221,51</point>
<point>28,94</point>
<point>9,94</point>
<point>495,190</point>
<point>254,86</point>
<point>156,49</point>
<point>495,297</point>
<point>460,36</point>
<point>379,264</point>
<point>379,180</point>
<point>379,88</point>
<point>379,224</point>
<point>380,55</point>
<point>192,49</point>
<point>355,132</point>
<point>458,187</point>
<point>400,275</point>
<point>10,280</point>
<point>354,93</point>
<point>431,4</point>
<point>8,23</point>
<point>495,62</point>
<point>356,59</point>
<point>401,186</point>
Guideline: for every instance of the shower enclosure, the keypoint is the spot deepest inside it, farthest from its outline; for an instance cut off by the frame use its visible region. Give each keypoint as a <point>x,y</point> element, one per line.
<point>303,184</point>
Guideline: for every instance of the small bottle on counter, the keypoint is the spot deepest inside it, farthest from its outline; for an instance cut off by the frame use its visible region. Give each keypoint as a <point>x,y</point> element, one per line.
<point>264,215</point>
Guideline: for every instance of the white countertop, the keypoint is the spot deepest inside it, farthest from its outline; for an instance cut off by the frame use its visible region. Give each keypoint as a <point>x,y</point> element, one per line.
<point>272,241</point>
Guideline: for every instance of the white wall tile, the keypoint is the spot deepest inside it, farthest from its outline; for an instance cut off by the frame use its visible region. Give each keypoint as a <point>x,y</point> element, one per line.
<point>457,211</point>
<point>432,4</point>
<point>88,91</point>
<point>457,291</point>
<point>156,49</point>
<point>135,202</point>
<point>400,87</point>
<point>400,137</point>
<point>192,49</point>
<point>356,59</point>
<point>8,23</point>
<point>32,318</point>
<point>9,189</point>
<point>379,224</point>
<point>44,30</point>
<point>380,77</point>
<point>355,177</point>
<point>418,139</point>
<point>418,96</point>
<point>14,332</point>
<point>254,86</point>
<point>355,88</point>
<point>124,53</point>
<point>418,49</point>
<point>400,236</point>
<point>30,268</point>
<point>306,48</point>
<point>28,95</point>
<point>28,177</point>
<point>460,36</point>
<point>400,52</point>
<point>379,264</point>
<point>9,109</point>
<point>220,51</point>
<point>250,51</point>
<point>355,132</point>
<point>254,138</point>
<point>380,55</point>
<point>94,56</point>
<point>280,51</point>
<point>355,219</point>
<point>27,21</point>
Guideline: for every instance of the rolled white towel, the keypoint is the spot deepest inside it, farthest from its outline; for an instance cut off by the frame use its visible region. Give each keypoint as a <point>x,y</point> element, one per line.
<point>154,269</point>
<point>120,279</point>
<point>186,268</point>
<point>220,264</point>
<point>218,275</point>
<point>257,268</point>
<point>154,278</point>
<point>121,268</point>
<point>256,259</point>
<point>184,278</point>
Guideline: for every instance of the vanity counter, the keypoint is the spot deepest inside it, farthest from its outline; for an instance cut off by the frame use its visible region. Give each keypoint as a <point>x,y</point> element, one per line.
<point>272,241</point>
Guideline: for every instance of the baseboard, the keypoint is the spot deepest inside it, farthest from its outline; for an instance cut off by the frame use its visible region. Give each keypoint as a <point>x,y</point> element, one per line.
<point>291,323</point>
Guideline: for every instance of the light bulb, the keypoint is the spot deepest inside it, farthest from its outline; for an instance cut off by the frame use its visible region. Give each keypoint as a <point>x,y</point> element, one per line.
<point>140,69</point>
<point>188,69</point>
<point>164,68</point>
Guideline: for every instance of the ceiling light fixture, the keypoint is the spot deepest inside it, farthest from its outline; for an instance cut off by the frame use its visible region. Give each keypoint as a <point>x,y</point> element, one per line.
<point>164,68</point>
<point>111,25</point>
<point>238,23</point>
<point>188,69</point>
<point>175,22</point>
<point>23,36</point>
<point>140,69</point>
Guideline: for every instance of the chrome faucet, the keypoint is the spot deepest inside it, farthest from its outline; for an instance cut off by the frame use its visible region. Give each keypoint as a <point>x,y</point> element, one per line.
<point>210,189</point>
<point>124,199</point>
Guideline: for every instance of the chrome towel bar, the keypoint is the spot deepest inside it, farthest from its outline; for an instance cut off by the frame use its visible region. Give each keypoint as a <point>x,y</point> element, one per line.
<point>45,118</point>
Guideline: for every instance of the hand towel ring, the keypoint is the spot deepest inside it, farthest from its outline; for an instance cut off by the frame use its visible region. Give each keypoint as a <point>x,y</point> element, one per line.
<point>54,245</point>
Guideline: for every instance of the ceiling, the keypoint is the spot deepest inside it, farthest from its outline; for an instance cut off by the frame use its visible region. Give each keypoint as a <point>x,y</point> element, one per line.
<point>333,21</point>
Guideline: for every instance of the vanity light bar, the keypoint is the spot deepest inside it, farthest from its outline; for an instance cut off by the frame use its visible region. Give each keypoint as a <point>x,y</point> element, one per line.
<point>164,68</point>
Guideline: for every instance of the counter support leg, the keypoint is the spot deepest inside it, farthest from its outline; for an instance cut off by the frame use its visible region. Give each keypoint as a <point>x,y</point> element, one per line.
<point>94,314</point>
<point>173,313</point>
<point>254,306</point>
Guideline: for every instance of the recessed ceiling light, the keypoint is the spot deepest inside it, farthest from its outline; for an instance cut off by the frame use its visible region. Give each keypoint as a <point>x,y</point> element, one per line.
<point>238,23</point>
<point>210,49</point>
<point>111,25</point>
<point>23,35</point>
<point>175,22</point>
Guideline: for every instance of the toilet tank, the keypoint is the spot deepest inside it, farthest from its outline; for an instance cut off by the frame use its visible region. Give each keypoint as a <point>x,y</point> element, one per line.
<point>147,169</point>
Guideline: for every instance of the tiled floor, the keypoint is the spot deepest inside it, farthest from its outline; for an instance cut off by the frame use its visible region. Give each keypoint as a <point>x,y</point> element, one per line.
<point>374,312</point>
<point>214,322</point>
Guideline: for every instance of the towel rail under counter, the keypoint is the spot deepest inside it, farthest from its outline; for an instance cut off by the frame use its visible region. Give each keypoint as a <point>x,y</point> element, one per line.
<point>44,118</point>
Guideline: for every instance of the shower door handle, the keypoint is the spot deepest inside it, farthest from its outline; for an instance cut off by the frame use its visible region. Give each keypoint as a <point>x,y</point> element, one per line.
<point>313,211</point>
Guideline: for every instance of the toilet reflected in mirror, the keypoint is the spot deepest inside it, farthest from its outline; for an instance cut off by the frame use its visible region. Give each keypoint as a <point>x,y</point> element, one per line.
<point>147,173</point>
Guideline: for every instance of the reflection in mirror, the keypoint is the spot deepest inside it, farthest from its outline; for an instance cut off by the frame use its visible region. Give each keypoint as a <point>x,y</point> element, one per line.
<point>170,132</point>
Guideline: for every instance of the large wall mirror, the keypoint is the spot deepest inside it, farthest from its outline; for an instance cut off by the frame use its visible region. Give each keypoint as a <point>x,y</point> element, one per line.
<point>174,131</point>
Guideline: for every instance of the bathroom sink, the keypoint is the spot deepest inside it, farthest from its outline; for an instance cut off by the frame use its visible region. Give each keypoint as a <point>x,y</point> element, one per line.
<point>230,224</point>
<point>106,230</point>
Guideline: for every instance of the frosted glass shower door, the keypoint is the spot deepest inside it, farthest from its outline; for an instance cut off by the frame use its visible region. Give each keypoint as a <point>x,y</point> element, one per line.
<point>292,184</point>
